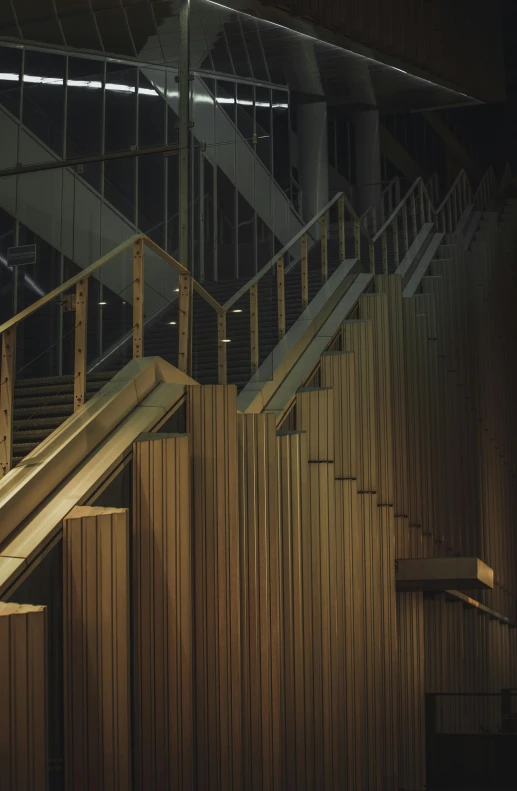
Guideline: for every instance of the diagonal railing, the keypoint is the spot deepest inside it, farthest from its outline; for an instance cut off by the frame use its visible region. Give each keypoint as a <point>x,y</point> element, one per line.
<point>79,284</point>
<point>338,217</point>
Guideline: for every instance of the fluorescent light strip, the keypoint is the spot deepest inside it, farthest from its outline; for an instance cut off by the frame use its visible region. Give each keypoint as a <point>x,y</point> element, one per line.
<point>95,84</point>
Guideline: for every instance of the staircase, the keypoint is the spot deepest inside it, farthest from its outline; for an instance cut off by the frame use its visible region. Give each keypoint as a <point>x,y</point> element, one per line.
<point>41,405</point>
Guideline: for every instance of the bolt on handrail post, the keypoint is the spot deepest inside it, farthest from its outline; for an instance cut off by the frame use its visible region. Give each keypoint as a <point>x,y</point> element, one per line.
<point>280,297</point>
<point>7,376</point>
<point>341,223</point>
<point>324,228</point>
<point>184,324</point>
<point>80,342</point>
<point>138,298</point>
<point>254,328</point>
<point>305,270</point>
<point>222,373</point>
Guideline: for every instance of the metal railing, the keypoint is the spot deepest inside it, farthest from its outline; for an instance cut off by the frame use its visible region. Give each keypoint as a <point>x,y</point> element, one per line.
<point>409,215</point>
<point>79,299</point>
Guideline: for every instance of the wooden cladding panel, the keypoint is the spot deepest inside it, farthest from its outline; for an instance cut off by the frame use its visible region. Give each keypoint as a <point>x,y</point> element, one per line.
<point>315,415</point>
<point>358,338</point>
<point>96,652</point>
<point>163,610</point>
<point>212,428</point>
<point>374,307</point>
<point>338,372</point>
<point>412,688</point>
<point>391,285</point>
<point>261,597</point>
<point>298,685</point>
<point>24,704</point>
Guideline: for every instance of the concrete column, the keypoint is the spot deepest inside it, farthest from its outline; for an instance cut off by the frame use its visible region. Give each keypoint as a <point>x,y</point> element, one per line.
<point>313,157</point>
<point>368,159</point>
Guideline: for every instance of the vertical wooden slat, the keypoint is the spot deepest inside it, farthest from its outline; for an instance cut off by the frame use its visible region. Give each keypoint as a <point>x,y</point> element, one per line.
<point>24,708</point>
<point>338,371</point>
<point>280,296</point>
<point>254,329</point>
<point>261,602</point>
<point>96,662</point>
<point>185,323</point>
<point>358,338</point>
<point>324,231</point>
<point>80,342</point>
<point>138,298</point>
<point>298,683</point>
<point>7,366</point>
<point>304,270</point>
<point>212,428</point>
<point>163,610</point>
<point>222,342</point>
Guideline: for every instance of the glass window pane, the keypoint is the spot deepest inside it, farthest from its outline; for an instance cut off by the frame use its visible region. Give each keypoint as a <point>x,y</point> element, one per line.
<point>10,70</point>
<point>246,230</point>
<point>281,139</point>
<point>151,111</point>
<point>263,124</point>
<point>172,206</point>
<point>245,104</point>
<point>43,97</point>
<point>226,227</point>
<point>84,114</point>
<point>120,135</point>
<point>151,197</point>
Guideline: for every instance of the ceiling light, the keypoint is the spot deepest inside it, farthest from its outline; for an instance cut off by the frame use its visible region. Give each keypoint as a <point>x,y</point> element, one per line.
<point>176,289</point>
<point>237,310</point>
<point>171,322</point>
<point>103,303</point>
<point>226,340</point>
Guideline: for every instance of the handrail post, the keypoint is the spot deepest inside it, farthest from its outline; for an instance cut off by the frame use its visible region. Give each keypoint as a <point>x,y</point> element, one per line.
<point>372,258</point>
<point>7,399</point>
<point>324,227</point>
<point>341,223</point>
<point>280,297</point>
<point>254,329</point>
<point>405,228</point>
<point>396,241</point>
<point>222,373</point>
<point>138,298</point>
<point>357,237</point>
<point>413,212</point>
<point>305,270</point>
<point>184,307</point>
<point>80,342</point>
<point>384,243</point>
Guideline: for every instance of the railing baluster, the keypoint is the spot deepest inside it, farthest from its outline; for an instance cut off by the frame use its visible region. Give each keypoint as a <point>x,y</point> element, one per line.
<point>305,270</point>
<point>7,399</point>
<point>341,221</point>
<point>405,228</point>
<point>384,242</point>
<point>185,285</point>
<point>221,348</point>
<point>357,238</point>
<point>280,296</point>
<point>80,342</point>
<point>413,212</point>
<point>138,298</point>
<point>254,328</point>
<point>372,258</point>
<point>324,227</point>
<point>396,241</point>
